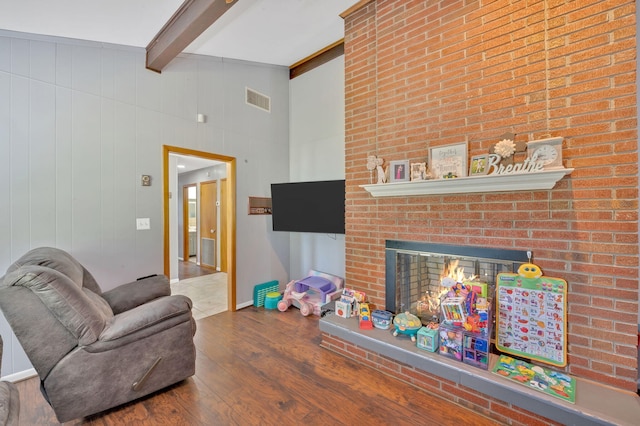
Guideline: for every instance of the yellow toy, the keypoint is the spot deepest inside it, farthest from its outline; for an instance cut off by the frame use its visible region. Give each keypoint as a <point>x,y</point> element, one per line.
<point>529,270</point>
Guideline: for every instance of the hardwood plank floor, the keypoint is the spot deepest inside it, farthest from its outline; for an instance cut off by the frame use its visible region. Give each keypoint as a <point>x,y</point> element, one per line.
<point>265,367</point>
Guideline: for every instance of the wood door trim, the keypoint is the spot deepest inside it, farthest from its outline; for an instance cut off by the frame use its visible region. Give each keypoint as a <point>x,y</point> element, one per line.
<point>230,207</point>
<point>202,217</point>
<point>186,252</point>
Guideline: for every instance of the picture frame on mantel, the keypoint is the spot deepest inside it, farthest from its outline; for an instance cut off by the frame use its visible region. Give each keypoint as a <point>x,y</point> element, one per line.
<point>418,171</point>
<point>479,165</point>
<point>448,161</point>
<point>399,171</point>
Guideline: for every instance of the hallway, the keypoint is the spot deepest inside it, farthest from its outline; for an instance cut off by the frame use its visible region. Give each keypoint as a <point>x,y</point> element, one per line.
<point>206,288</point>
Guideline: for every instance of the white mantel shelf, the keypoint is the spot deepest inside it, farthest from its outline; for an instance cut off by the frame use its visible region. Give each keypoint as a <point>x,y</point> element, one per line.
<point>545,179</point>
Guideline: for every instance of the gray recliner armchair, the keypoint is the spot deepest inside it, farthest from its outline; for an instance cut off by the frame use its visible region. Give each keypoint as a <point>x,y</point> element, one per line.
<point>9,401</point>
<point>94,350</point>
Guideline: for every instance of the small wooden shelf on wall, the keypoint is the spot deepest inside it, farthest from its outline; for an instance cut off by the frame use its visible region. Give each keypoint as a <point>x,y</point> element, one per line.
<point>545,179</point>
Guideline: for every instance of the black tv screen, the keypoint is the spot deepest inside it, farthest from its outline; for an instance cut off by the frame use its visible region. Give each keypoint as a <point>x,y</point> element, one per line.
<point>308,206</point>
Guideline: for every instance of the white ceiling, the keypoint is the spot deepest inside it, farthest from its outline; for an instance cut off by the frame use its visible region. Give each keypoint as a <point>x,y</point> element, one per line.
<point>189,163</point>
<point>280,32</point>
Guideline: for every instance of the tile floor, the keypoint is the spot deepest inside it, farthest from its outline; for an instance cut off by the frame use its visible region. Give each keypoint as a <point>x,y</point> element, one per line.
<point>208,293</point>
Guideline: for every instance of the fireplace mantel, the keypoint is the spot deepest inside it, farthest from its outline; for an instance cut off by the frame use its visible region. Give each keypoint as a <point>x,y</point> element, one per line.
<point>545,179</point>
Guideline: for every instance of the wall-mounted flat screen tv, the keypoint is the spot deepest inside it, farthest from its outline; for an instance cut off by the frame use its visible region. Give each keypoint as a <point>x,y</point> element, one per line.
<point>308,206</point>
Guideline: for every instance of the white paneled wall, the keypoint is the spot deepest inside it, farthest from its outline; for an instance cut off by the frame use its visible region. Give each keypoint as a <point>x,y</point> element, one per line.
<point>80,122</point>
<point>317,153</point>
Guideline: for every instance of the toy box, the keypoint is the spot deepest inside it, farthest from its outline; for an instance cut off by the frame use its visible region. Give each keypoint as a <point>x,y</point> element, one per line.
<point>453,310</point>
<point>354,298</point>
<point>451,341</point>
<point>428,338</point>
<point>475,349</point>
<point>343,309</point>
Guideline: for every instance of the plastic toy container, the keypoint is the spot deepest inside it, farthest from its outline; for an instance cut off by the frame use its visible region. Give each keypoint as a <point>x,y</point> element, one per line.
<point>451,341</point>
<point>475,349</point>
<point>260,291</point>
<point>271,300</point>
<point>381,319</point>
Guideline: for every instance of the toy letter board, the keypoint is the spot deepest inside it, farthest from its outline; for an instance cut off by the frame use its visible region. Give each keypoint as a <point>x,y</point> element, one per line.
<point>531,317</point>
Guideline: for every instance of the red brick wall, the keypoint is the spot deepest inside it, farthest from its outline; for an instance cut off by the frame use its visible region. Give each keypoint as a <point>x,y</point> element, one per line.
<point>420,74</point>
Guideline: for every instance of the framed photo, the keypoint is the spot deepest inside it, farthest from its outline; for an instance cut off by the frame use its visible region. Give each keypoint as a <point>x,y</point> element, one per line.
<point>479,165</point>
<point>399,171</point>
<point>449,161</point>
<point>418,171</point>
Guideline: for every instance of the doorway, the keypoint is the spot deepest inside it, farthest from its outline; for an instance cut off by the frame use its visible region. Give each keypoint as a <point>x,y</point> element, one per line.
<point>227,212</point>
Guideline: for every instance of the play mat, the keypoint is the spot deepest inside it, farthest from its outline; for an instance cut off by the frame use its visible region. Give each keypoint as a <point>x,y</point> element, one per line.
<point>535,377</point>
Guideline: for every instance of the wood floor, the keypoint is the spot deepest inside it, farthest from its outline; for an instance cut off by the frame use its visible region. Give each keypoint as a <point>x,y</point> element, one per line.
<point>188,269</point>
<point>265,367</point>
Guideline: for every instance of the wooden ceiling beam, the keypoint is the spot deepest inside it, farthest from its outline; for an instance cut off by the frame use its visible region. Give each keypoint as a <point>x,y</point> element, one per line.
<point>190,20</point>
<point>315,60</point>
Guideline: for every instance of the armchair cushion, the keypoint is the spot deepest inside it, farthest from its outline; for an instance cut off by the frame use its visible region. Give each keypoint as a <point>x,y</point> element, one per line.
<point>62,262</point>
<point>128,296</point>
<point>82,315</point>
<point>144,316</point>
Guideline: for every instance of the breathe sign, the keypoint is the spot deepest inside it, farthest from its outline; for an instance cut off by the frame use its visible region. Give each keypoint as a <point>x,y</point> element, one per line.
<point>528,166</point>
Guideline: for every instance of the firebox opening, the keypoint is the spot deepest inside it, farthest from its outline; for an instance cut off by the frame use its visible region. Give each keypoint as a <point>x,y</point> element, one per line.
<point>415,271</point>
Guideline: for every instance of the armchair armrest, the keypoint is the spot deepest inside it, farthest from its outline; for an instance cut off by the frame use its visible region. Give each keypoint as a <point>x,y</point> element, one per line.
<point>146,316</point>
<point>136,293</point>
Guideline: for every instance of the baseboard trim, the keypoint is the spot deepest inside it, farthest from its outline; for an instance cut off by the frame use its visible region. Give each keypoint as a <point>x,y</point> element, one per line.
<point>244,305</point>
<point>20,375</point>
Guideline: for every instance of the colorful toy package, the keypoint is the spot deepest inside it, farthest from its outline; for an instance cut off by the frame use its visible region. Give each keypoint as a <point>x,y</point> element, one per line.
<point>535,377</point>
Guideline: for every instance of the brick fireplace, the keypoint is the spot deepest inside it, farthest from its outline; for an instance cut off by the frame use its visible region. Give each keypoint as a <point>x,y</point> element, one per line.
<point>420,74</point>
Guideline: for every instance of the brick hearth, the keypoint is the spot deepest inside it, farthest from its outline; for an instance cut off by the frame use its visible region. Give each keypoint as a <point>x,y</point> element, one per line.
<point>474,388</point>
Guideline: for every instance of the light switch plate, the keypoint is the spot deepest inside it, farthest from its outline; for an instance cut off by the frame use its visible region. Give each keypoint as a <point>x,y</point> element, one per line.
<point>143,223</point>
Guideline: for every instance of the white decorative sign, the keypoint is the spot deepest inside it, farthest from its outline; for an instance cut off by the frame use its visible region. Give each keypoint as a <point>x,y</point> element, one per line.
<point>449,161</point>
<point>529,166</point>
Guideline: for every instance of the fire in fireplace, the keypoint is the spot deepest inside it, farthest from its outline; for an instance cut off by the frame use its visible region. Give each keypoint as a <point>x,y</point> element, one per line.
<point>418,274</point>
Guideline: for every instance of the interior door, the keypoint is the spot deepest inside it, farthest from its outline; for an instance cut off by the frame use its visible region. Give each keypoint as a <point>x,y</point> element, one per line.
<point>223,225</point>
<point>189,221</point>
<point>208,223</point>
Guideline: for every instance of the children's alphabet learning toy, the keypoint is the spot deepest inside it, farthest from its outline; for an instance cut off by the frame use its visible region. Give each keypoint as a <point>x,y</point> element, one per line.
<point>531,316</point>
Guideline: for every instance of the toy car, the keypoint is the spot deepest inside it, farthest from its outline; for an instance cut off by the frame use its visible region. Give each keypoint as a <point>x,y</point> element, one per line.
<point>301,300</point>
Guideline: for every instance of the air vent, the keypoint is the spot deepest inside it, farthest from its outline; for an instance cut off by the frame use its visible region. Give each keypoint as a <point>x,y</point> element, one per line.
<point>258,100</point>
